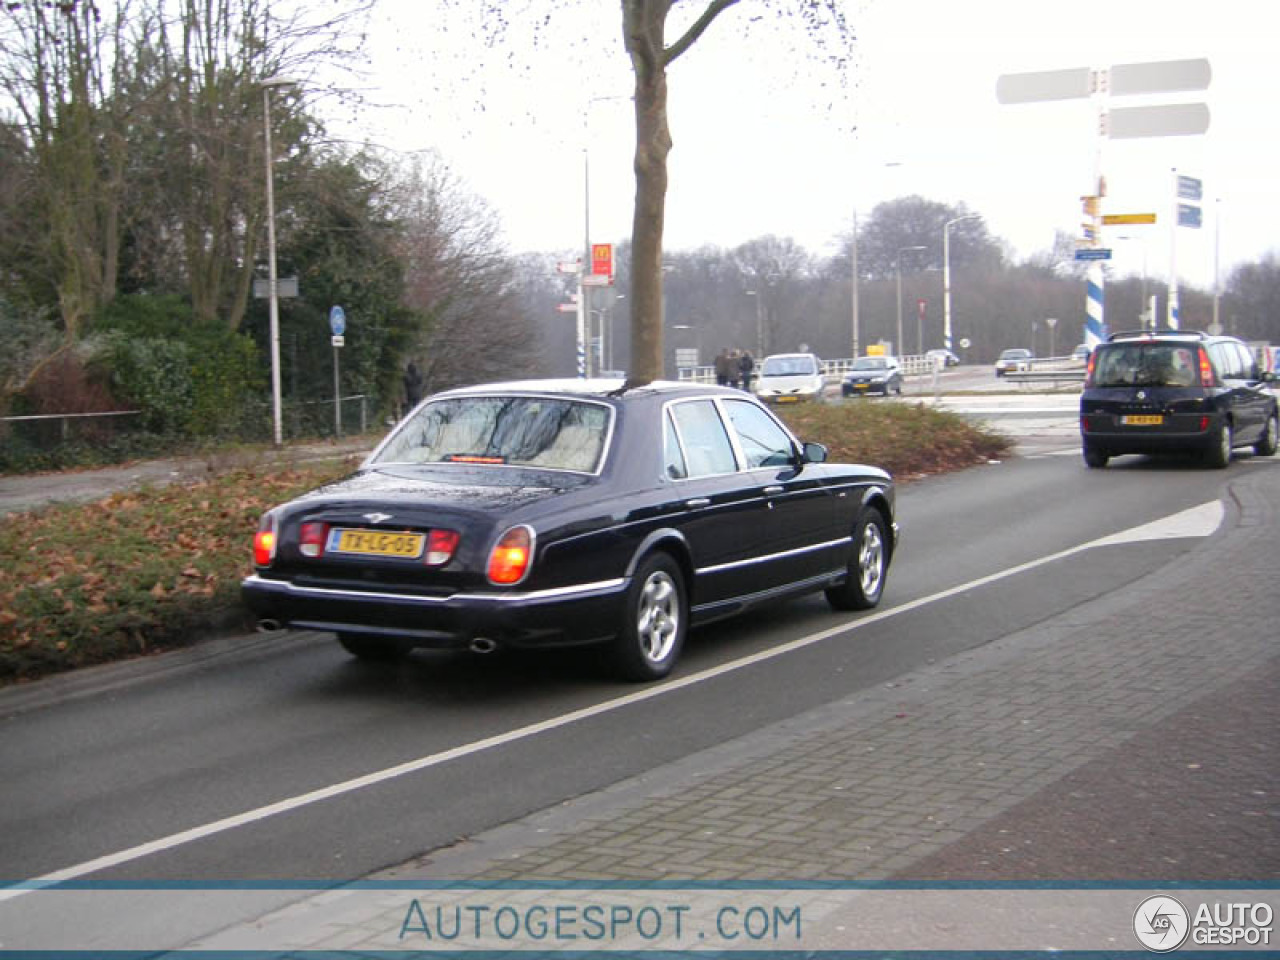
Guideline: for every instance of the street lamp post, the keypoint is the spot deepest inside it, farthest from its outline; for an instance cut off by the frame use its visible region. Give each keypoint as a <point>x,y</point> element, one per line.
<point>897,269</point>
<point>853,258</point>
<point>946,276</point>
<point>273,299</point>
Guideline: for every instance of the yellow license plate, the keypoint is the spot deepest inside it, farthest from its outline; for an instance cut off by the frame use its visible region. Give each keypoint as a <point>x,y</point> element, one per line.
<point>376,543</point>
<point>1142,420</point>
<point>787,399</point>
<point>862,386</point>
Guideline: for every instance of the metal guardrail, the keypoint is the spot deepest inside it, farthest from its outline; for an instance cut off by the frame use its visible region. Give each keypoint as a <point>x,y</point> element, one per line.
<point>832,370</point>
<point>1048,370</point>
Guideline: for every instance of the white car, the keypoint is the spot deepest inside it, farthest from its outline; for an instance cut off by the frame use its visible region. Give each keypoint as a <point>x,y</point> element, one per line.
<point>790,378</point>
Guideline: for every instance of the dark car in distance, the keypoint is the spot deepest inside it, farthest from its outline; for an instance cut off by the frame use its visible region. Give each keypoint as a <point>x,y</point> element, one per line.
<point>548,513</point>
<point>881,375</point>
<point>1175,391</point>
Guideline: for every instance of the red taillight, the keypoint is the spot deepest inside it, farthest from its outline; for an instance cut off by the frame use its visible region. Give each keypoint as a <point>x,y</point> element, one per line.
<point>441,545</point>
<point>264,541</point>
<point>1088,369</point>
<point>311,538</point>
<point>511,556</point>
<point>1206,369</point>
<point>1204,424</point>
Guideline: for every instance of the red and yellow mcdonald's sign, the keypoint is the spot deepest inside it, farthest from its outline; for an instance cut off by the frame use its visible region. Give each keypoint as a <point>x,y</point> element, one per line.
<point>602,259</point>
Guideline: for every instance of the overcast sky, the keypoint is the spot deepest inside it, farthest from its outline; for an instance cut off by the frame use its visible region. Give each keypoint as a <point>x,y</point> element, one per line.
<point>765,142</point>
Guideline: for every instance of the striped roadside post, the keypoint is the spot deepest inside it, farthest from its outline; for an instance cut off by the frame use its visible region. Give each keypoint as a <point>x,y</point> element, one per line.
<point>1094,326</point>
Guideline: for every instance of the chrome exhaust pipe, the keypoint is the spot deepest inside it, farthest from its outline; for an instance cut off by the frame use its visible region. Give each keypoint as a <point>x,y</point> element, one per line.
<point>268,625</point>
<point>483,645</point>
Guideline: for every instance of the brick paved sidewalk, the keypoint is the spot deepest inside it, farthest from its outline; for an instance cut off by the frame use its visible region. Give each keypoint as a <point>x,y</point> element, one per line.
<point>1134,737</point>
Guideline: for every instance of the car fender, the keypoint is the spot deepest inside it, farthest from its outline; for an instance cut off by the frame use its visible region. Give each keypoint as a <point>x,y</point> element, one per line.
<point>878,497</point>
<point>664,538</point>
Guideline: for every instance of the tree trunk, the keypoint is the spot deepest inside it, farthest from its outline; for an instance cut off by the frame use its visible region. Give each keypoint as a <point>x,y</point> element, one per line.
<point>643,31</point>
<point>653,143</point>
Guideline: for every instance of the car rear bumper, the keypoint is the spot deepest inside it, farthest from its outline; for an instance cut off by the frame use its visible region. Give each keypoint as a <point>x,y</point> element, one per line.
<point>556,617</point>
<point>1183,434</point>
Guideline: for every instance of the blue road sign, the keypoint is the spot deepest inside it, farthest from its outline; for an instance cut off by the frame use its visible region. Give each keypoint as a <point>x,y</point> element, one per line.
<point>337,321</point>
<point>1188,215</point>
<point>1093,253</point>
<point>1189,188</point>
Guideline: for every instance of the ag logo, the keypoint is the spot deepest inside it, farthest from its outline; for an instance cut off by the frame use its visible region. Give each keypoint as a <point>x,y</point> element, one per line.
<point>1161,923</point>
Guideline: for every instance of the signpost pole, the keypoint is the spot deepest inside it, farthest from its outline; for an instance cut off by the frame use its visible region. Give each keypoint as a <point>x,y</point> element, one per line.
<point>1173,257</point>
<point>338,327</point>
<point>337,397</point>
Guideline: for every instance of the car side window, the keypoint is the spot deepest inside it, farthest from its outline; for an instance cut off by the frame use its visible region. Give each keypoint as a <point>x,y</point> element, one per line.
<point>1248,365</point>
<point>763,442</point>
<point>706,443</point>
<point>673,456</point>
<point>1226,360</point>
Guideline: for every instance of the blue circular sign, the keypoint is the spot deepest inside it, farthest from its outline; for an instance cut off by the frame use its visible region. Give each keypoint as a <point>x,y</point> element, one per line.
<point>337,321</point>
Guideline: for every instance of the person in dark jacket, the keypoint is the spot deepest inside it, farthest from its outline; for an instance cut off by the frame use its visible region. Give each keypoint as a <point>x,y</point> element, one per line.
<point>412,385</point>
<point>746,366</point>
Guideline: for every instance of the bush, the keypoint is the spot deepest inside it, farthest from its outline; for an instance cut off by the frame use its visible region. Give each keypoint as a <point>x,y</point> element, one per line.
<point>191,379</point>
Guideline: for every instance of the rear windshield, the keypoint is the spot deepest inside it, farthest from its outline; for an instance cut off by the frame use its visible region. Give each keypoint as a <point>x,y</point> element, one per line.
<point>789,367</point>
<point>1145,365</point>
<point>543,432</point>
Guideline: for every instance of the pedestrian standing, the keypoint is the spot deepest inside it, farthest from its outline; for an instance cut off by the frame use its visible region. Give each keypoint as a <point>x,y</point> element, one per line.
<point>722,367</point>
<point>412,385</point>
<point>745,368</point>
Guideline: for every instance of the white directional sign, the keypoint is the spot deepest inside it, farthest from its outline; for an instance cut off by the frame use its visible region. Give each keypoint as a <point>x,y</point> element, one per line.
<point>1168,120</point>
<point>1164,76</point>
<point>1044,85</point>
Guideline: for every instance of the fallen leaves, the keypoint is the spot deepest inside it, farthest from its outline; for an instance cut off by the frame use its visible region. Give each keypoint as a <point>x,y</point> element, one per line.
<point>134,571</point>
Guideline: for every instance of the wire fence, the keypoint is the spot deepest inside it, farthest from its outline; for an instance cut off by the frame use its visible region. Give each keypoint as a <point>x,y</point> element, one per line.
<point>58,440</point>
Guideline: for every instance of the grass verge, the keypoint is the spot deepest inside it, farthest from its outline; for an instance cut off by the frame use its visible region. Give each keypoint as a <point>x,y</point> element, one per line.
<point>158,568</point>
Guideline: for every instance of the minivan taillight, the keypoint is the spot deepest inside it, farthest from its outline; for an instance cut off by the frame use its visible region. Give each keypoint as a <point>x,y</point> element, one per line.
<point>1088,368</point>
<point>264,541</point>
<point>1207,377</point>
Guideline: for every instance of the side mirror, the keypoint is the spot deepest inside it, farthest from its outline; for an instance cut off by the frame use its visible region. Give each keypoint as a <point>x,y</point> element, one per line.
<point>813,453</point>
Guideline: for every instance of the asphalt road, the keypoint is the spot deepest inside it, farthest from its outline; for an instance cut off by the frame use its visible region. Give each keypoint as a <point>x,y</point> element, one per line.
<point>284,758</point>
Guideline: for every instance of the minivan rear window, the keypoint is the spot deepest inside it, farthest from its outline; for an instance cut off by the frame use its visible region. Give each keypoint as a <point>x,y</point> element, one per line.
<point>1146,365</point>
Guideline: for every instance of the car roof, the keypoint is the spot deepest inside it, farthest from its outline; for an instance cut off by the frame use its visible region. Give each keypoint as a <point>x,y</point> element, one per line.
<point>780,356</point>
<point>1180,336</point>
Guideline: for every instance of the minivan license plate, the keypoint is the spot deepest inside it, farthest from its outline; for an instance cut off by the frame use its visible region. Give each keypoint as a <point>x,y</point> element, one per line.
<point>1142,420</point>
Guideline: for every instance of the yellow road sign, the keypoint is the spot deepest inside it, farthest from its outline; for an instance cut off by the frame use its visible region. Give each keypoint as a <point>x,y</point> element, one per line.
<point>1117,219</point>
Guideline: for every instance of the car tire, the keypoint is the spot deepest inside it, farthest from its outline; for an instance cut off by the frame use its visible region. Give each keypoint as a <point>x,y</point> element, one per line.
<point>373,649</point>
<point>868,565</point>
<point>1267,443</point>
<point>1094,458</point>
<point>1218,455</point>
<point>654,621</point>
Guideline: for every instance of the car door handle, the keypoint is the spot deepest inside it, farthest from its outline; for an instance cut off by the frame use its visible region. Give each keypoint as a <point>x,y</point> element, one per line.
<point>773,490</point>
<point>697,502</point>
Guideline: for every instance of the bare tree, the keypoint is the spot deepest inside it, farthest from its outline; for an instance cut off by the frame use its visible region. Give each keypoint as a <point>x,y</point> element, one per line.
<point>645,26</point>
<point>58,66</point>
<point>460,278</point>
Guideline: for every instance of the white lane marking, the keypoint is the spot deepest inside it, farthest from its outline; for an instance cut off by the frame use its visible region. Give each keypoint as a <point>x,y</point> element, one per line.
<point>1199,521</point>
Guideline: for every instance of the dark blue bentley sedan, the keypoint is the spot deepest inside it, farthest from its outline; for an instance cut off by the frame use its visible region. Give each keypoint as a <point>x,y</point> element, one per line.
<point>573,512</point>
